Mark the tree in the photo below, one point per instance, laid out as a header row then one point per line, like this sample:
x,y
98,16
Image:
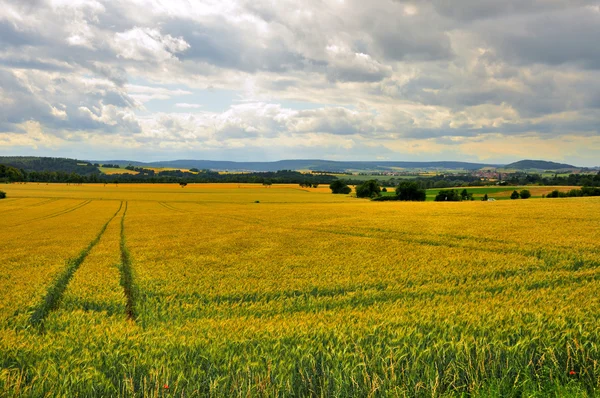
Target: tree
x,y
448,196
525,194
465,195
2,194
384,189
11,174
339,187
182,184
485,197
514,195
368,189
410,191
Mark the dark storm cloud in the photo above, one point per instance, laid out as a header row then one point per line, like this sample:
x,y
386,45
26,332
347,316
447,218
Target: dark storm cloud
x,y
559,37
469,10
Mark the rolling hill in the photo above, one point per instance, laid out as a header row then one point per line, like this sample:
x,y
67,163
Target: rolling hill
x,y
538,164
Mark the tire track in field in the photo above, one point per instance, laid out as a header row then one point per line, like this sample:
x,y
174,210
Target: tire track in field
x,y
166,206
227,217
408,238
127,279
43,202
51,300
56,214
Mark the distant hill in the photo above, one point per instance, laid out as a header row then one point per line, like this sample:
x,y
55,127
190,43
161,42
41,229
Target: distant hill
x,y
538,164
39,164
83,167
302,164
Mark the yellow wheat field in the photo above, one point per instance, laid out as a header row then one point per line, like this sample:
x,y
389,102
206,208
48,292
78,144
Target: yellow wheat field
x,y
302,294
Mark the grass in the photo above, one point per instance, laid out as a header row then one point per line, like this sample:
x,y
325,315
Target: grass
x,y
368,177
114,170
123,170
52,298
303,294
127,279
498,193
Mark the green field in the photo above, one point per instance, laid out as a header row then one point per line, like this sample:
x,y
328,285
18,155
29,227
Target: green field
x,y
367,177
144,290
495,192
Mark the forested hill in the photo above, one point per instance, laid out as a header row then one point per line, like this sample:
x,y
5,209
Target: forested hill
x,y
41,164
538,164
86,168
302,164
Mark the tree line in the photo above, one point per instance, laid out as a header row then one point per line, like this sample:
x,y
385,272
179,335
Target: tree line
x,y
411,191
405,191
12,174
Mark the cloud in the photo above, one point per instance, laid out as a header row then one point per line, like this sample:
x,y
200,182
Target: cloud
x,y
188,106
327,77
146,44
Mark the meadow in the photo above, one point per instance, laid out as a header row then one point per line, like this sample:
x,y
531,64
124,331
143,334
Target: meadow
x,y
243,290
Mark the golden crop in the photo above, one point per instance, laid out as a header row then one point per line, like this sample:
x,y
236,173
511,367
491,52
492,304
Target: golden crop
x,y
303,294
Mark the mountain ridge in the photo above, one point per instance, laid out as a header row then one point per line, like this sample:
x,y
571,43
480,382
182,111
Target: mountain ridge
x,y
305,164
34,163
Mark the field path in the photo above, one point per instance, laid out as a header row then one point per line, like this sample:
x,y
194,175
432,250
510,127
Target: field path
x,y
55,292
127,279
55,214
95,286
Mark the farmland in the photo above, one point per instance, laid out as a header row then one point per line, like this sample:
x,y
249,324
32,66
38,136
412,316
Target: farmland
x,y
495,192
239,289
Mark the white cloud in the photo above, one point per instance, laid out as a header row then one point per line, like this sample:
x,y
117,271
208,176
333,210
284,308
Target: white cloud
x,y
322,76
146,44
188,106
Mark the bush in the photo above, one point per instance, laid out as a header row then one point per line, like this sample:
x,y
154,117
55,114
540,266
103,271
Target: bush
x,y
485,197
514,195
410,191
590,191
557,194
384,189
465,195
574,193
525,194
368,189
339,187
448,196
2,194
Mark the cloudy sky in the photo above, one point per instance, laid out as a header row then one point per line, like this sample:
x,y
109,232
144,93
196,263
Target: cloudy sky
x,y
473,80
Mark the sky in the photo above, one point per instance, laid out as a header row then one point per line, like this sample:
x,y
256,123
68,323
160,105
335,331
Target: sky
x,y
257,80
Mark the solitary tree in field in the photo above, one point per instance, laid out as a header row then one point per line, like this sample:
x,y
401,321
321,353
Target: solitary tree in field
x,y
449,195
2,194
368,189
525,194
339,187
514,195
410,191
485,198
182,184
